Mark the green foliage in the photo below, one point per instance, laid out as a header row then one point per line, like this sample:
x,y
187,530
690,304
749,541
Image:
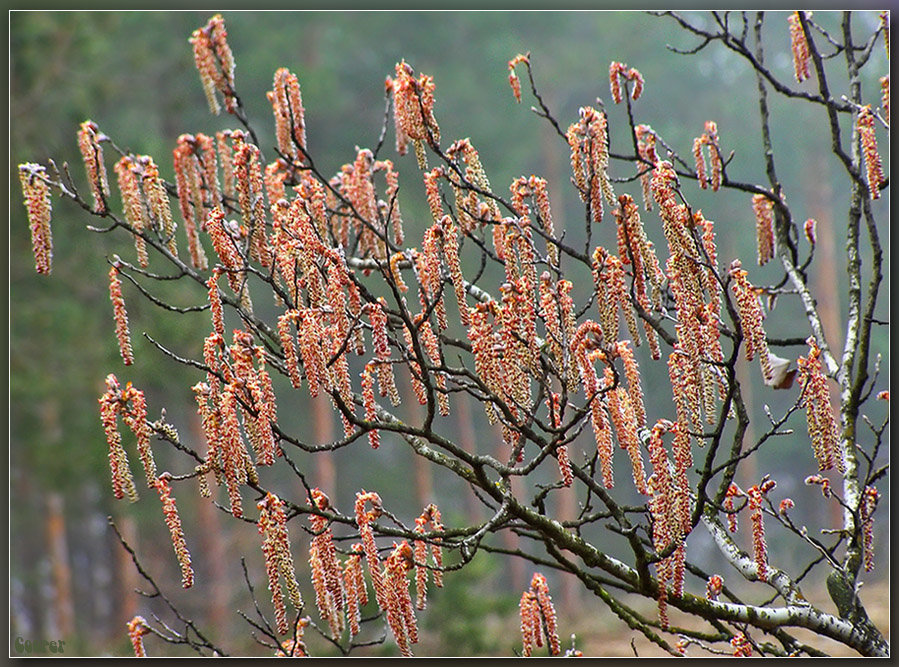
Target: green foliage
x,y
470,613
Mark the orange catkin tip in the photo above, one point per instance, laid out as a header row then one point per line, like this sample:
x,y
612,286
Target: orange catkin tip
x,y
120,315
37,204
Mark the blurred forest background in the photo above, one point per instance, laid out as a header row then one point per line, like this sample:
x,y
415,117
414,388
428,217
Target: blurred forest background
x,y
133,74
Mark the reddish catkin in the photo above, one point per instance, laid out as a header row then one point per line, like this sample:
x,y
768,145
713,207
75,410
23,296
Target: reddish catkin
x,y
538,618
711,136
188,184
714,586
685,378
589,160
646,148
632,373
354,583
675,218
89,138
432,191
428,268
203,190
544,600
609,273
732,492
340,380
209,169
596,131
215,63
482,336
549,313
285,333
413,103
633,74
381,344
158,204
554,403
209,419
587,337
400,613
173,522
284,247
763,208
799,46
420,552
742,647
215,303
327,576
135,418
866,519
885,25
540,192
885,97
568,321
565,465
622,415
395,273
635,249
110,405
120,315
274,178
823,482
516,327
822,426
287,106
513,77
360,191
279,540
615,70
137,628
874,171
204,59
295,647
128,178
250,188
415,370
234,449
37,203
272,566
601,430
390,209
263,394
432,347
751,317
311,335
619,71
664,506
212,345
363,521
453,263
699,161
634,449
756,517
529,613
368,402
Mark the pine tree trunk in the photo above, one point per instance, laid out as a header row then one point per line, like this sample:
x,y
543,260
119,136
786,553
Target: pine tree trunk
x,y
58,550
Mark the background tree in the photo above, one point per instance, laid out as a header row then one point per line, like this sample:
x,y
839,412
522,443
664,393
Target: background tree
x,y
508,306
